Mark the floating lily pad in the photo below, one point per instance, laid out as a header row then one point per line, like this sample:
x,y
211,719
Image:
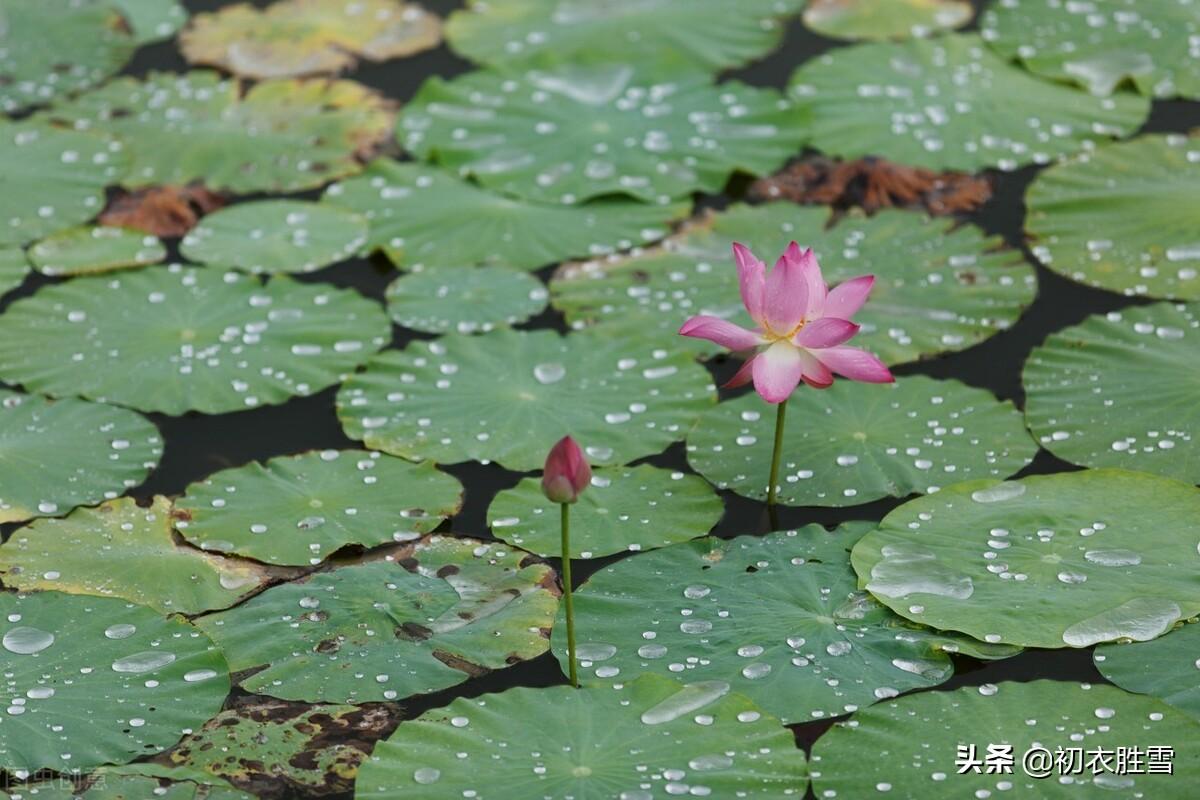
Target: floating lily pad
x,y
121,550
938,287
276,236
59,454
885,19
79,251
951,103
465,300
510,395
1066,560
200,339
1119,391
1165,668
282,135
445,611
95,680
301,509
857,442
910,747
779,618
308,37
625,508
702,36
1123,217
13,268
652,738
51,178
52,48
416,210
575,133
1149,45
301,750
152,20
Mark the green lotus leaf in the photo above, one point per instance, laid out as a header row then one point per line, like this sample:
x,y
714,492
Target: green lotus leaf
x,y
300,750
1122,217
857,442
885,19
574,133
13,268
471,300
938,287
52,48
1164,667
1066,560
437,613
280,135
1119,391
1149,45
700,36
416,210
59,454
951,103
80,251
96,680
510,395
275,236
916,746
779,618
298,510
650,738
307,37
625,508
199,339
152,20
51,178
122,550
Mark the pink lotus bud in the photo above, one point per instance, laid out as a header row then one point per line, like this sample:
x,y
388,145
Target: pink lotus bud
x,y
566,473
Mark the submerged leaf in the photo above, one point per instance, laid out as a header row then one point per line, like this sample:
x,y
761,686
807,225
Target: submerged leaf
x,y
122,550
444,611
307,37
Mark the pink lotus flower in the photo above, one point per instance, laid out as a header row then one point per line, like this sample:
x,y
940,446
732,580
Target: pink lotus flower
x,y
566,473
802,326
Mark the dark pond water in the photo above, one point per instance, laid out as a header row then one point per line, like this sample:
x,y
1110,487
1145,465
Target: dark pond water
x,y
197,445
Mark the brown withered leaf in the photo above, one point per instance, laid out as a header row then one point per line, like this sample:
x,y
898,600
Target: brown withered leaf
x,y
165,211
871,184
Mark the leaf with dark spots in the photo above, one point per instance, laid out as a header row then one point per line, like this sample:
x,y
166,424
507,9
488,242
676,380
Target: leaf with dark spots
x,y
165,211
463,665
873,184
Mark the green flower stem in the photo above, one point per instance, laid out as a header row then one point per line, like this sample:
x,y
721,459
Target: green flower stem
x,y
773,486
566,581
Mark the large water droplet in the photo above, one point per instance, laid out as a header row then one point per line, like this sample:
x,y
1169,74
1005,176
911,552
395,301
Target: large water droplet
x,y
27,641
144,661
551,372
427,775
691,697
120,631
1001,491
